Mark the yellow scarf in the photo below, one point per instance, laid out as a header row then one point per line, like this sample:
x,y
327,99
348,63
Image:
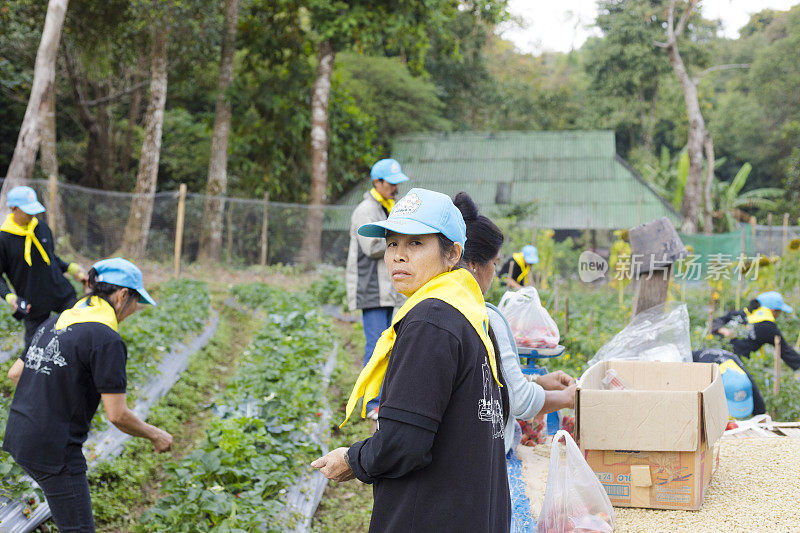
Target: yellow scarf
x,y
387,204
96,310
457,288
762,314
10,226
524,266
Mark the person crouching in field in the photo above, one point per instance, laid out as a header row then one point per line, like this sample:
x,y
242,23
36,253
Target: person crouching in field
x,y
437,459
75,360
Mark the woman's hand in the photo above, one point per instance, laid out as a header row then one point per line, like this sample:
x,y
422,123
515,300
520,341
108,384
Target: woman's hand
x,y
559,399
162,441
334,466
727,333
557,380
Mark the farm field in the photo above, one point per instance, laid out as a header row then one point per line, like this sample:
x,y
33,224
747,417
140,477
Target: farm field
x,y
242,409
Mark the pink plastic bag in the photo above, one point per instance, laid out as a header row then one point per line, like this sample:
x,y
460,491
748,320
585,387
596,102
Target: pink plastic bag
x,y
575,501
532,325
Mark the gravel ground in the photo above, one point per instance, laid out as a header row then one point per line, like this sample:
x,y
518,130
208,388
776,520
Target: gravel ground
x,y
755,488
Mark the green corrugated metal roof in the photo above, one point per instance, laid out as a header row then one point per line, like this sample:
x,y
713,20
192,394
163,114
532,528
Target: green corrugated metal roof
x,y
576,177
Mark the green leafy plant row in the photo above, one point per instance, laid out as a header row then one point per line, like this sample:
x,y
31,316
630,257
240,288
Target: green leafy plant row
x,y
259,442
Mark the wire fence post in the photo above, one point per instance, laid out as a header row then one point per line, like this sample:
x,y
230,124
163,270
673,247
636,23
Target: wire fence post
x,y
179,229
785,237
264,231
52,197
776,387
769,224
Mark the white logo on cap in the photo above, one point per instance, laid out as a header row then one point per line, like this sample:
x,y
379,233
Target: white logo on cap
x,y
739,396
409,204
395,168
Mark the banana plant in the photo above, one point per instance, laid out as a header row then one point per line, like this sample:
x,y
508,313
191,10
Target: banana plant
x,y
731,201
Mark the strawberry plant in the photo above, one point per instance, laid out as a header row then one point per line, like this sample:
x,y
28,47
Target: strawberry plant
x,y
259,442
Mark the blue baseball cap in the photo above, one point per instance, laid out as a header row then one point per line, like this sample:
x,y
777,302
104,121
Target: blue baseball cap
x,y
389,171
421,212
121,272
738,389
24,198
773,300
530,254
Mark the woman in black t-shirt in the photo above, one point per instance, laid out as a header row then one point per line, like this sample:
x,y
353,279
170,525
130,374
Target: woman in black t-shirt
x,y
75,360
437,460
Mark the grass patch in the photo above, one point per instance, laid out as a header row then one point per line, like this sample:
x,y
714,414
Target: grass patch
x,y
345,506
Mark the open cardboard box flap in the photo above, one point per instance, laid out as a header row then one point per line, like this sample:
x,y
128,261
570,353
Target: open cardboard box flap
x,y
669,408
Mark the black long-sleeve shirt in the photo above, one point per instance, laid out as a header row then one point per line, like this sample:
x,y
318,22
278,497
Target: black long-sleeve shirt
x,y
43,286
440,437
756,336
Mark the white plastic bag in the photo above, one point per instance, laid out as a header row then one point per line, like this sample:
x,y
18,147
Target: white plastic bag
x,y
574,501
660,333
532,325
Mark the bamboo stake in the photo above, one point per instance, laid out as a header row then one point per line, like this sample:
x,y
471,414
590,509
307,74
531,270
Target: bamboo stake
x,y
776,387
179,229
769,223
52,186
264,231
229,236
785,238
741,274
591,323
566,314
555,300
753,229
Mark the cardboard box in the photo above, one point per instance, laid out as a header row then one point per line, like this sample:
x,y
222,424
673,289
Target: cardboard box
x,y
652,446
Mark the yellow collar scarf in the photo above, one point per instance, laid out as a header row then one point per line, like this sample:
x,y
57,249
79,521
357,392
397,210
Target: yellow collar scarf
x,y
387,204
520,260
457,288
762,314
94,310
10,226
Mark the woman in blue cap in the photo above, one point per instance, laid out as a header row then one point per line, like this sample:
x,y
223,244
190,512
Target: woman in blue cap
x,y
754,326
437,459
29,261
515,272
76,359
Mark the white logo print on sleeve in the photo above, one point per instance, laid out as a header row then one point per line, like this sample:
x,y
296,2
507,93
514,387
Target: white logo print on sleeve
x,y
38,359
489,409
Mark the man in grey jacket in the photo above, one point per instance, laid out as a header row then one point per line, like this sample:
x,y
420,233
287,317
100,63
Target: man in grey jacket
x,y
369,286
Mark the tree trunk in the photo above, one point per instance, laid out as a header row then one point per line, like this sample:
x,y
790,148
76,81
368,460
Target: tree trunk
x,y
217,185
133,118
97,161
44,73
134,240
48,160
310,251
649,122
690,207
708,200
